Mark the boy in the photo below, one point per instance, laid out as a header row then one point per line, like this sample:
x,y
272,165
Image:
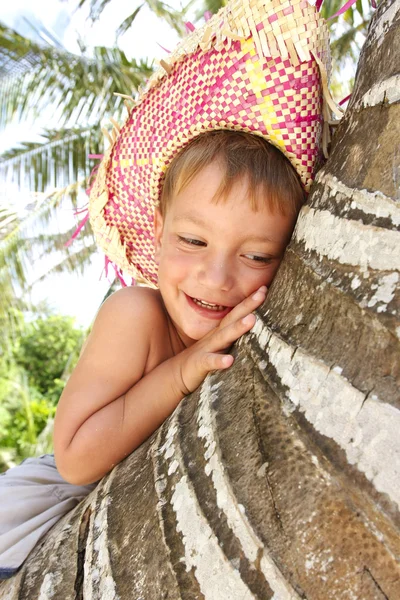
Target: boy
x,y
228,209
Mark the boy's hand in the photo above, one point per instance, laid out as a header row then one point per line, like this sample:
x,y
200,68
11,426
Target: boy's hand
x,y
207,354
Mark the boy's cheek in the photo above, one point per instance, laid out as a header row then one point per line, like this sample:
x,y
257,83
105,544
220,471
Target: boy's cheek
x,y
273,271
176,262
264,276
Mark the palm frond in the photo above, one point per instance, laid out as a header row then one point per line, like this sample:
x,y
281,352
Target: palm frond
x,y
330,7
52,243
11,305
345,46
8,219
90,82
127,23
20,249
14,63
211,6
9,224
174,18
74,262
57,162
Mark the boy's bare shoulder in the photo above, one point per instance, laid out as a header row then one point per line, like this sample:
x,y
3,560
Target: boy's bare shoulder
x,y
129,316
125,341
131,304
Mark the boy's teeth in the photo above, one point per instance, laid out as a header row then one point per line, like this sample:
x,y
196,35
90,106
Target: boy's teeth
x,y
208,305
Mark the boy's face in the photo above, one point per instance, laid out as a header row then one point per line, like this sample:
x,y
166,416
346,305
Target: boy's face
x,y
211,256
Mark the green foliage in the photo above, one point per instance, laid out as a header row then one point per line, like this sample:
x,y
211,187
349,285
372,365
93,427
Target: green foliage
x,y
44,352
22,422
347,32
32,377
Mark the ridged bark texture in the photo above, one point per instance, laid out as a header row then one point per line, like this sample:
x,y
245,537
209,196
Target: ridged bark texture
x,y
278,479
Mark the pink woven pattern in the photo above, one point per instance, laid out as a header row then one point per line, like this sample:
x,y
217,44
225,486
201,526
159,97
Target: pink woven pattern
x,y
233,86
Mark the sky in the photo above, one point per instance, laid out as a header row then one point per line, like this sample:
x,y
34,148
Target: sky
x,y
66,23
77,295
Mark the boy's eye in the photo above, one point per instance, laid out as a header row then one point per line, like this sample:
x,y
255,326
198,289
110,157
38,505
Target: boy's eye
x,y
190,241
258,258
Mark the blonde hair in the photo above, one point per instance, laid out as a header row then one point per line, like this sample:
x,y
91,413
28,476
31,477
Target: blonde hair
x,y
269,173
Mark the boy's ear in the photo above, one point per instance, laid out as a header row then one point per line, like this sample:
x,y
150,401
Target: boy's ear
x,y
158,230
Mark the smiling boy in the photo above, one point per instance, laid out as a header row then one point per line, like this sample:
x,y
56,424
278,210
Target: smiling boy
x,y
228,209
227,212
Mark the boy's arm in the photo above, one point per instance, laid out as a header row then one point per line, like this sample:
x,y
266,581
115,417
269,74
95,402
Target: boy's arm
x,y
109,406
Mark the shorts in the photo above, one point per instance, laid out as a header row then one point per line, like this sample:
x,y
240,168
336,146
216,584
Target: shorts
x,y
33,497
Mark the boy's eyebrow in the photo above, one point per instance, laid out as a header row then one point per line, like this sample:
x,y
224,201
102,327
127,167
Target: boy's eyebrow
x,y
193,218
259,238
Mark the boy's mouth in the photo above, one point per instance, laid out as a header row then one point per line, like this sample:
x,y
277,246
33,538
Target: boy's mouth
x,y
209,305
208,309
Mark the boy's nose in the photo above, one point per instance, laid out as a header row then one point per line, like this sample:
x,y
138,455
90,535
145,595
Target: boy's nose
x,y
216,273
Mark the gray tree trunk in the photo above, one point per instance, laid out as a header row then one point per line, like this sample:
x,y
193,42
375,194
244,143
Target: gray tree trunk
x,y
279,478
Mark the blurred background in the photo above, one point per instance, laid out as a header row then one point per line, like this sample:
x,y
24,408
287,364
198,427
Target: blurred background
x,y
61,61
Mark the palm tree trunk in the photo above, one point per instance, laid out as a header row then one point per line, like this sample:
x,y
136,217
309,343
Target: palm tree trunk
x,y
279,478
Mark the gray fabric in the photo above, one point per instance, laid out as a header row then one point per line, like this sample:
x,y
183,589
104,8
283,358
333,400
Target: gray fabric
x,y
33,497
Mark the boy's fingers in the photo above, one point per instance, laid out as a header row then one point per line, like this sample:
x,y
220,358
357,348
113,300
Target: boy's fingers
x,y
215,362
223,338
245,307
194,372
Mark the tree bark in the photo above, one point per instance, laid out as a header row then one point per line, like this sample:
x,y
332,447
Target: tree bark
x,y
280,477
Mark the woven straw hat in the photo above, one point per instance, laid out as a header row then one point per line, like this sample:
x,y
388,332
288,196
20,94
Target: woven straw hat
x,y
259,66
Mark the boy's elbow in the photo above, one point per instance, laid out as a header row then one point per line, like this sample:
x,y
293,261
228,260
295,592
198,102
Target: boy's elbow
x,y
71,470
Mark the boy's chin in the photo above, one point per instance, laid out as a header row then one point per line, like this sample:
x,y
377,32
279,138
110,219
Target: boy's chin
x,y
195,334
192,334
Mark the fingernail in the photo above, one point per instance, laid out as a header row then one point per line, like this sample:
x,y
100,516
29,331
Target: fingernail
x,y
226,360
259,294
247,320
